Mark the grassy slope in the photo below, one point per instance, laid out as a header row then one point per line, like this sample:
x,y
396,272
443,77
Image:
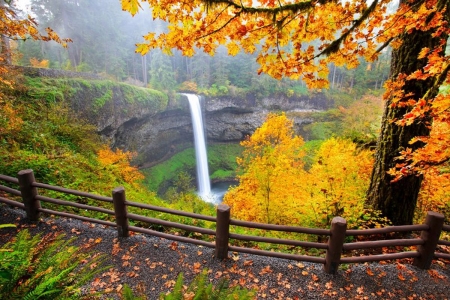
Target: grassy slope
x,y
40,132
221,160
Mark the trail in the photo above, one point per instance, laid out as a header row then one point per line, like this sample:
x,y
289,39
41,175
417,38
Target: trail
x,y
151,265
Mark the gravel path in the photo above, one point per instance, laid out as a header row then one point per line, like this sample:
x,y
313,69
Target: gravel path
x,y
151,265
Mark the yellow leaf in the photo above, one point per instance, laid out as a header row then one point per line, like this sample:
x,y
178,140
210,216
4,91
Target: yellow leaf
x,y
132,6
233,48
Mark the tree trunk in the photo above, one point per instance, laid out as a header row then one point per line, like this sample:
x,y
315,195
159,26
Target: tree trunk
x,y
397,201
5,50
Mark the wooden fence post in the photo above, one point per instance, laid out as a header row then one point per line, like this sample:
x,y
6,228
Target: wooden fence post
x,y
222,231
335,243
435,221
120,211
29,193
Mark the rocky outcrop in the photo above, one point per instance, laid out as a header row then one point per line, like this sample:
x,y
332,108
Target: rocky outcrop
x,y
158,136
157,126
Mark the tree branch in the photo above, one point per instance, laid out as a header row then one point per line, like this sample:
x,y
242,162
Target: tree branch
x,y
334,46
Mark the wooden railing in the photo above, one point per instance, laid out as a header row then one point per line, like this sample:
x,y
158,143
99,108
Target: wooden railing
x,y
426,244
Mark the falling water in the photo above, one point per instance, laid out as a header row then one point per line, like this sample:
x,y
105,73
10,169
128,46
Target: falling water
x,y
204,187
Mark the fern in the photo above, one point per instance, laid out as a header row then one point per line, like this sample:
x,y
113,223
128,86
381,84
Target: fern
x,y
127,294
46,267
200,289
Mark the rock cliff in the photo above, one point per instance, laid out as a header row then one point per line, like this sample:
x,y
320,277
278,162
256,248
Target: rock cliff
x,y
157,136
156,126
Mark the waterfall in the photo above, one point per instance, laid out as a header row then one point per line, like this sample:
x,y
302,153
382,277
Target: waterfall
x,y
204,187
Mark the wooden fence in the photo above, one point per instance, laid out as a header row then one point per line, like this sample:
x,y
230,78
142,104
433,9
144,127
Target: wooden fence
x,y
426,244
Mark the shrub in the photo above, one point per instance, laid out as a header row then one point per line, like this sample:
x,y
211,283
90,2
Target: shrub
x,y
47,267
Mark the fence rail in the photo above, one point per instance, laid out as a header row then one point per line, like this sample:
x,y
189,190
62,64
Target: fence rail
x,y
426,244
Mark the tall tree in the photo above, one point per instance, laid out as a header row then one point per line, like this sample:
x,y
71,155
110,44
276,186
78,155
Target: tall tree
x,y
299,39
397,198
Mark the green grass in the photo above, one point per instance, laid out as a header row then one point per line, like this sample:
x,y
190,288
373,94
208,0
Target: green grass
x,y
221,161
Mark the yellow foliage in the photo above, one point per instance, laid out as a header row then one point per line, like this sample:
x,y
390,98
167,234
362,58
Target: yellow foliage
x,y
434,193
39,64
271,166
118,162
10,120
337,181
275,188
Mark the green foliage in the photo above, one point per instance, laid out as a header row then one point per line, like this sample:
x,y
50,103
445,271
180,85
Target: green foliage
x,y
216,90
201,289
46,267
371,218
310,148
100,101
7,225
127,294
101,92
221,160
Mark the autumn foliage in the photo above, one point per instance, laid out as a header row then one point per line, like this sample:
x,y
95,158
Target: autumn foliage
x,y
13,27
118,162
274,186
39,64
301,39
270,164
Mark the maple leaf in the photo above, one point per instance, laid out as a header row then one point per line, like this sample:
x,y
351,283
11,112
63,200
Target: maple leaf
x,y
196,267
300,265
369,272
266,270
126,257
360,290
115,249
131,6
435,274
248,262
173,246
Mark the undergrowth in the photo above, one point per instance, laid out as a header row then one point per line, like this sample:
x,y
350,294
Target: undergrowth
x,y
45,267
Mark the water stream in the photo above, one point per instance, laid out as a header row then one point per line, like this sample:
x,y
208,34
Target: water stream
x,y
204,186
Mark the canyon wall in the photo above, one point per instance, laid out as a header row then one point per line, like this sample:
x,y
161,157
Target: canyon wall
x,y
155,137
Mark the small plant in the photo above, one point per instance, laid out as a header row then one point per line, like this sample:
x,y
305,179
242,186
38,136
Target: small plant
x,y
47,267
202,290
127,294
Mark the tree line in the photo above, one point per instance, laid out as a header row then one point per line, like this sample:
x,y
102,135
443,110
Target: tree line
x,y
103,41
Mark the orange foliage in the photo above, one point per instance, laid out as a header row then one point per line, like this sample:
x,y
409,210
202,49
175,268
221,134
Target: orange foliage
x,y
10,120
300,39
39,64
435,192
433,162
13,27
119,162
189,86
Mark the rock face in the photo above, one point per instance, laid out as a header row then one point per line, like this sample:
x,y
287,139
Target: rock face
x,y
157,136
145,121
